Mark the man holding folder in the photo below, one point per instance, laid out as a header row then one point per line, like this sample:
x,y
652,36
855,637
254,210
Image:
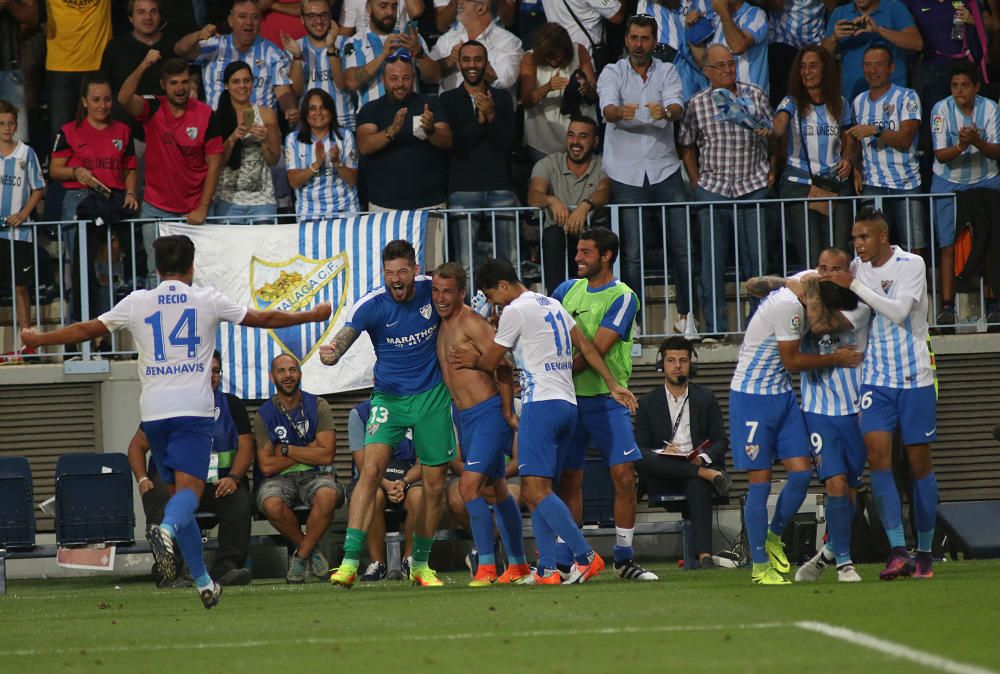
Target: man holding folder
x,y
682,436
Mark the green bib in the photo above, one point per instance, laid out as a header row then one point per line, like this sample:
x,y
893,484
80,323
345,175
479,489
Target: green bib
x,y
588,310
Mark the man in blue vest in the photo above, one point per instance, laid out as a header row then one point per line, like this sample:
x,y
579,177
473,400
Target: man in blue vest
x,y
295,450
227,491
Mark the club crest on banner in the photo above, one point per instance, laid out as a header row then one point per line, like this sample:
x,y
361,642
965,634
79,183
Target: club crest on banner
x,y
297,284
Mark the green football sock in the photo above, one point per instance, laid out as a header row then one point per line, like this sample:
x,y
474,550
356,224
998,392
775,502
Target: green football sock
x,y
354,543
421,550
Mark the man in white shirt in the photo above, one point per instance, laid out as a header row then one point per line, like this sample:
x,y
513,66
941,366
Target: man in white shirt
x,y
582,18
477,21
174,326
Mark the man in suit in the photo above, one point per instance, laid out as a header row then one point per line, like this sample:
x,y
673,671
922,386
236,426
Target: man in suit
x,y
682,436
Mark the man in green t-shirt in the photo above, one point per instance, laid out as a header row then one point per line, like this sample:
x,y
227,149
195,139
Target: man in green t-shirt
x,y
604,308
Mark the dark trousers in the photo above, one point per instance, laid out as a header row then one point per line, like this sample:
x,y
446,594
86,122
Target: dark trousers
x,y
234,512
663,473
559,249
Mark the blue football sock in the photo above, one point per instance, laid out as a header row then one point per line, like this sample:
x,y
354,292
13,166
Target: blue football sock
x,y
189,541
180,509
790,499
511,530
755,516
564,556
545,540
839,525
481,523
925,498
889,509
558,516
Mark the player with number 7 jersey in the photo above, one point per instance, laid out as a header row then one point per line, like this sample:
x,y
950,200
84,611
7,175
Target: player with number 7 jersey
x,y
174,326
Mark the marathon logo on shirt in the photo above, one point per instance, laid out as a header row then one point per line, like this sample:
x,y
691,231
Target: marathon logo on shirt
x,y
414,339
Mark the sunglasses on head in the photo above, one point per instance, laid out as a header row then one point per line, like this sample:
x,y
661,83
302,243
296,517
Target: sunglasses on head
x,y
400,55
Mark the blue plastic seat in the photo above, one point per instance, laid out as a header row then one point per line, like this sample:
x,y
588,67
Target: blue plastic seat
x,y
17,515
94,500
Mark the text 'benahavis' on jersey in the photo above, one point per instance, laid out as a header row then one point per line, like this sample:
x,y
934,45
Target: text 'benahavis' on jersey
x,y
537,328
174,326
897,355
404,335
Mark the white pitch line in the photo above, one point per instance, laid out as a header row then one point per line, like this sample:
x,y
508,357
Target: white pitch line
x,y
394,638
892,648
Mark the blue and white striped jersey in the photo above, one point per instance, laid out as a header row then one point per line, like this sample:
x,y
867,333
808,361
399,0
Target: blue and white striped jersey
x,y
835,391
799,23
671,21
751,65
897,355
325,194
779,318
268,64
362,49
316,75
972,166
885,166
822,135
20,173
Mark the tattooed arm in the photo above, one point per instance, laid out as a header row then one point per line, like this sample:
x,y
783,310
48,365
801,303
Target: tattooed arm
x,y
761,286
330,354
822,320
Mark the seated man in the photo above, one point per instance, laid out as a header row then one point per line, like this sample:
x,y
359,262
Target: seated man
x,y
401,491
295,450
227,490
682,436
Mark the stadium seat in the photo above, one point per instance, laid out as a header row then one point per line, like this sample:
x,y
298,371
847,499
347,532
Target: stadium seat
x,y
598,494
94,500
971,525
17,516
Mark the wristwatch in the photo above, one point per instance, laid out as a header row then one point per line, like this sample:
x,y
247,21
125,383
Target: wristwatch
x,y
406,485
333,51
878,131
586,200
284,448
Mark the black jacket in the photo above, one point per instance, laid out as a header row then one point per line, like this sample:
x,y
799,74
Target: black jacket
x,y
480,153
653,424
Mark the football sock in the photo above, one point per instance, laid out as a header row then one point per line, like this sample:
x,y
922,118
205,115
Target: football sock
x,y
511,530
889,509
354,543
925,497
561,521
755,516
481,523
839,526
188,539
422,550
564,556
180,510
623,544
545,540
790,499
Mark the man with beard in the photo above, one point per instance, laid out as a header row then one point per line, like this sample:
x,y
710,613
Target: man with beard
x,y
409,395
641,98
477,22
604,308
485,423
295,450
570,185
482,123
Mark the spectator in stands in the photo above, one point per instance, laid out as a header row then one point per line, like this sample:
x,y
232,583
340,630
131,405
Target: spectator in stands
x,y
726,161
672,42
641,98
508,12
476,21
481,117
403,138
280,16
355,17
812,124
856,26
187,167
214,52
76,34
574,189
245,192
557,82
401,492
227,490
794,24
322,161
21,171
14,16
295,451
682,437
966,136
886,121
317,60
366,54
743,28
582,18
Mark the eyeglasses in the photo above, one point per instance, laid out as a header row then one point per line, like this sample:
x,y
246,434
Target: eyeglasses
x,y
316,16
216,370
722,65
403,55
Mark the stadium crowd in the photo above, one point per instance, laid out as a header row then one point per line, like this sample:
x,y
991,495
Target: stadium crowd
x,y
249,109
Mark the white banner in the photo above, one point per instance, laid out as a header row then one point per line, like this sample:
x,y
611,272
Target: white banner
x,y
294,267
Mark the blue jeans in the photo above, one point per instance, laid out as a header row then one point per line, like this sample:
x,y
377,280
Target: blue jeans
x,y
465,233
12,91
238,214
717,233
678,236
907,221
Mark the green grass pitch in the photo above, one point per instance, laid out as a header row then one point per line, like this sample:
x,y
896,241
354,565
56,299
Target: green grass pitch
x,y
688,622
